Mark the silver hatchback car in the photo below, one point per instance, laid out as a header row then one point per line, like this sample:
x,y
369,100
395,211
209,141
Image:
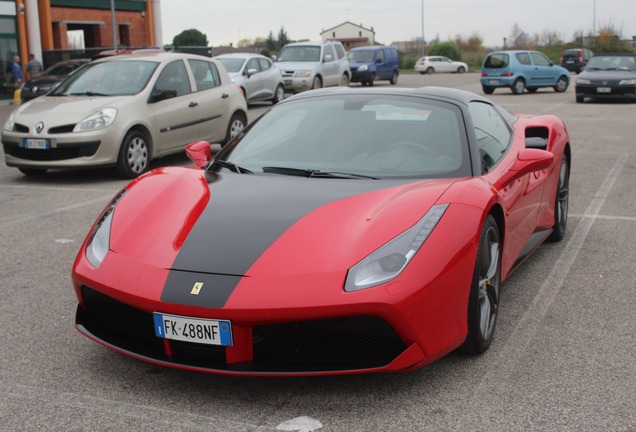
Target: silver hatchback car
x,y
124,111
256,75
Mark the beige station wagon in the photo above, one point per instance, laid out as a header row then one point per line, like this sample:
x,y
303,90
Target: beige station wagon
x,y
124,111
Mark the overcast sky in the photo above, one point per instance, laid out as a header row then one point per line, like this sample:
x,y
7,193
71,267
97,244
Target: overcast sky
x,y
228,21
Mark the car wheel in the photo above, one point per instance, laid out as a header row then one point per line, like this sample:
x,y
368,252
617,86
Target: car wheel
x,y
488,90
394,78
344,80
483,301
236,125
461,69
561,85
317,83
580,99
279,95
518,86
562,201
532,89
371,80
134,155
430,70
33,172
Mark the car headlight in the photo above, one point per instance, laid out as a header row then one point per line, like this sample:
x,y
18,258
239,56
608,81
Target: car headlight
x,y
583,81
627,82
303,73
389,260
363,68
99,120
10,123
99,242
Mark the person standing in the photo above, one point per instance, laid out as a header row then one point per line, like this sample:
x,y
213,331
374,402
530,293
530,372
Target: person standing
x,y
16,71
34,67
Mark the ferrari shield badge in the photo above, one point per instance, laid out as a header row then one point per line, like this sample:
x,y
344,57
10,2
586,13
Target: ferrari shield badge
x,y
196,289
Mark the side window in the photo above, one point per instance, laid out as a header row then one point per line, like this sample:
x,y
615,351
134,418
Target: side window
x,y
174,77
380,58
492,132
540,60
524,58
206,75
328,50
253,64
265,64
340,52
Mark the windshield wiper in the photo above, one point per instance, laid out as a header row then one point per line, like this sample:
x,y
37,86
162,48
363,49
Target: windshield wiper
x,y
229,165
89,93
315,173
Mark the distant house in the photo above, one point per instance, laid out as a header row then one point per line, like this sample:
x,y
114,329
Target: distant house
x,y
350,34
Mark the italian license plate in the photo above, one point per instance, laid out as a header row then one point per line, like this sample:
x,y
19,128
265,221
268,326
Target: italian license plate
x,y
493,81
603,90
37,144
196,330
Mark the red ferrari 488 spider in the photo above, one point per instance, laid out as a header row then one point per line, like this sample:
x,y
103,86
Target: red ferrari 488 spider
x,y
345,231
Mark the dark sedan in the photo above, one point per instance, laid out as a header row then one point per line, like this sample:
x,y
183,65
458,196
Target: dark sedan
x,y
50,79
608,76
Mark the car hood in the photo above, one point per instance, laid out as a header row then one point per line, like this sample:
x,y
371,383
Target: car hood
x,y
262,225
63,110
296,65
607,75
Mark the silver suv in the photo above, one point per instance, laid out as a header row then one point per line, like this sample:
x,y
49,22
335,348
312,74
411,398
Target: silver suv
x,y
310,65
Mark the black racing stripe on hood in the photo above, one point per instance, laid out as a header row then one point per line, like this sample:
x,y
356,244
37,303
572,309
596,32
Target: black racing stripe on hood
x,y
245,215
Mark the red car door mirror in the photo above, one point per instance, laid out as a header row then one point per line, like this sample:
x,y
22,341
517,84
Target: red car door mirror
x,y
199,152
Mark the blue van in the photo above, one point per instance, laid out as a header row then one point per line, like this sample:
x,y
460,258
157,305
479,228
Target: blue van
x,y
371,63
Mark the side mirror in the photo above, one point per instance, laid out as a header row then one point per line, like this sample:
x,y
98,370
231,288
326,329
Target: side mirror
x,y
274,58
528,160
250,72
160,95
378,61
327,58
199,152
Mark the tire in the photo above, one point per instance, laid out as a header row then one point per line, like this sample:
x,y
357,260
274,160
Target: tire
x,y
235,126
317,83
580,99
488,90
562,200
518,86
344,80
279,94
134,155
33,172
371,80
561,85
483,300
532,89
394,78
461,70
430,70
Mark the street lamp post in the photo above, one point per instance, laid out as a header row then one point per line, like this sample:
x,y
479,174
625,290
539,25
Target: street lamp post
x,y
423,40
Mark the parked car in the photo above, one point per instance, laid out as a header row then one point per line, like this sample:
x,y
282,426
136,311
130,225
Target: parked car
x,y
575,59
124,111
256,75
608,76
311,65
432,64
372,63
50,79
522,70
346,231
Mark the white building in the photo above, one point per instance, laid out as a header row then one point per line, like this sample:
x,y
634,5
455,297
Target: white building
x,y
350,34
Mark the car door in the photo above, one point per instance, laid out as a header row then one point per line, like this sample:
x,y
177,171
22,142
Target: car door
x,y
542,73
253,81
329,66
445,65
271,78
381,69
172,110
212,99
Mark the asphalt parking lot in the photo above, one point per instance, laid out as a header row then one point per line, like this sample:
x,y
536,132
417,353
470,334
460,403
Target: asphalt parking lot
x,y
563,359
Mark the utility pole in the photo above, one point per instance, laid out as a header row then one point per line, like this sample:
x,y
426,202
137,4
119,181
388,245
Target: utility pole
x,y
112,13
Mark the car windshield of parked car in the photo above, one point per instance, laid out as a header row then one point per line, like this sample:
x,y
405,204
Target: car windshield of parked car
x,y
362,56
232,64
300,54
622,63
62,69
113,78
357,136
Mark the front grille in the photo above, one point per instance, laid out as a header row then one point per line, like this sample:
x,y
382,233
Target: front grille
x,y
310,346
17,127
62,152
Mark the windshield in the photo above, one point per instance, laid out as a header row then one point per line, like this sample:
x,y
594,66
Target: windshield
x,y
623,63
62,69
300,54
232,64
113,78
362,56
377,136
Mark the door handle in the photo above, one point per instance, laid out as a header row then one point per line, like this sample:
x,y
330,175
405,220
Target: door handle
x,y
192,104
225,96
